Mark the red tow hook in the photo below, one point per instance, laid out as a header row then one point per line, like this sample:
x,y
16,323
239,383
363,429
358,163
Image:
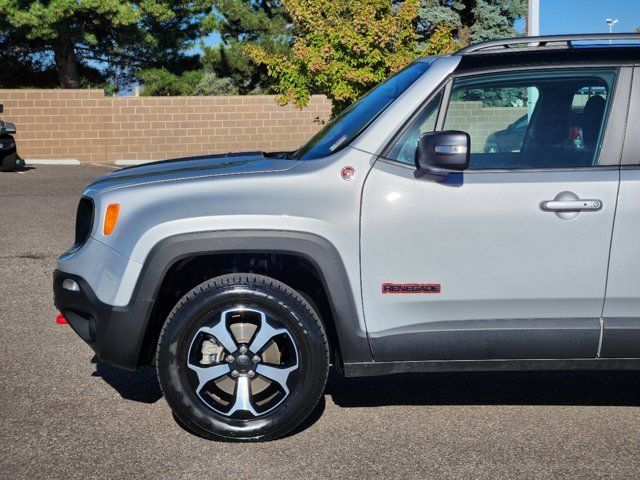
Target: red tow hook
x,y
61,320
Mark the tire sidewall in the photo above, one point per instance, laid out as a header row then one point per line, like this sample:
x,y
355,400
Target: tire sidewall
x,y
186,320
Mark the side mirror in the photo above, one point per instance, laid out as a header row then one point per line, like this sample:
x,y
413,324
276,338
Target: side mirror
x,y
441,153
9,129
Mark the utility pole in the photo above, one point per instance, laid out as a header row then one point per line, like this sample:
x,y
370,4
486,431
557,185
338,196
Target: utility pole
x,y
611,23
533,30
533,18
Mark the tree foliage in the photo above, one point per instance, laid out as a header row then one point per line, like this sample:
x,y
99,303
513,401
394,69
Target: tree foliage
x,y
212,84
471,20
342,48
161,82
263,23
113,37
290,47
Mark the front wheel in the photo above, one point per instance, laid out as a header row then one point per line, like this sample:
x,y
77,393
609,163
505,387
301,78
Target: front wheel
x,y
242,357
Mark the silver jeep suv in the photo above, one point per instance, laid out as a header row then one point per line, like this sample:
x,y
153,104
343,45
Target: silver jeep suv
x,y
393,241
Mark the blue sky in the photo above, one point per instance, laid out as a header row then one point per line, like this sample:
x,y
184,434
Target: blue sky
x,y
588,16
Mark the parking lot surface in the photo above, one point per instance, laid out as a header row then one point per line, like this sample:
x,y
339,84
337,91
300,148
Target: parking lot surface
x,y
66,415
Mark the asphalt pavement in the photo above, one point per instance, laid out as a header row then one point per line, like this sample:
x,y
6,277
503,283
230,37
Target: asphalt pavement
x,y
66,415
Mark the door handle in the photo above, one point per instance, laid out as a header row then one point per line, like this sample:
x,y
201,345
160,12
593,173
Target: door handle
x,y
571,205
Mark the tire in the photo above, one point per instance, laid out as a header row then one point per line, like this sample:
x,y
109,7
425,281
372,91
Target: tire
x,y
9,162
196,386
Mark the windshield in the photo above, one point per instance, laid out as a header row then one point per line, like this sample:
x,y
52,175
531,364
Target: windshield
x,y
351,121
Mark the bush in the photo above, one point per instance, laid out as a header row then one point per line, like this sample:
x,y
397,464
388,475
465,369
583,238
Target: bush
x,y
211,84
161,82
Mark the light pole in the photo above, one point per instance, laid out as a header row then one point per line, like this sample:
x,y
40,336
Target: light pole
x,y
611,23
533,30
533,18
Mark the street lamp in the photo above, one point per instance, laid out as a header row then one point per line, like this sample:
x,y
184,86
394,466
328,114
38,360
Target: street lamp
x,y
611,23
533,18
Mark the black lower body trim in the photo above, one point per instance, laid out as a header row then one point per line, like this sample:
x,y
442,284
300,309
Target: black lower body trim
x,y
621,337
387,368
519,338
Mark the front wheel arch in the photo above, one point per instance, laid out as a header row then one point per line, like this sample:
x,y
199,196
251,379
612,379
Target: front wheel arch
x,y
349,339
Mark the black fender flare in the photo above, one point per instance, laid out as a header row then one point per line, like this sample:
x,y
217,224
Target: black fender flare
x,y
352,338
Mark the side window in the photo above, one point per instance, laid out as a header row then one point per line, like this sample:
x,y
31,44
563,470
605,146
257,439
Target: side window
x,y
544,119
404,150
496,119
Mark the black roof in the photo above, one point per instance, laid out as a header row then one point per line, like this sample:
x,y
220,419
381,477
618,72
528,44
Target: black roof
x,y
612,55
549,50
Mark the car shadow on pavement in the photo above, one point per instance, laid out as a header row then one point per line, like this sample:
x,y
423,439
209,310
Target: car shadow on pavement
x,y
142,386
583,388
139,386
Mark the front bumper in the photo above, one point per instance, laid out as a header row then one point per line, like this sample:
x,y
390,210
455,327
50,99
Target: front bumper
x,y
116,334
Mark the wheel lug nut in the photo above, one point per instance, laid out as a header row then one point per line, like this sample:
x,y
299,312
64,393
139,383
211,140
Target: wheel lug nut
x,y
251,373
243,349
235,373
229,358
256,359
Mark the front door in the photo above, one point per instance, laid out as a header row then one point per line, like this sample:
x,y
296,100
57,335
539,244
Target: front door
x,y
509,259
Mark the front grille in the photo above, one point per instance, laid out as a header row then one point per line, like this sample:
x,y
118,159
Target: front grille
x,y
84,220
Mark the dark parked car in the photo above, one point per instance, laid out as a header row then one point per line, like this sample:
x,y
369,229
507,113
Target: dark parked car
x,y
509,139
8,152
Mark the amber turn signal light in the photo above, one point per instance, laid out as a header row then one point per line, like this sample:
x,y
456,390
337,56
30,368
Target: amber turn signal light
x,y
111,218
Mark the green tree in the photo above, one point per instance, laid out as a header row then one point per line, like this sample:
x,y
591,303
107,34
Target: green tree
x,y
211,84
241,23
342,48
161,82
471,20
113,37
475,21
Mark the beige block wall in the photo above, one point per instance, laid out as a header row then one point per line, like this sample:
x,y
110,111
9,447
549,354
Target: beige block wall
x,y
86,125
480,122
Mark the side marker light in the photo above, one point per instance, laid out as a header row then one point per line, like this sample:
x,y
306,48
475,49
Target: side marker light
x,y
111,218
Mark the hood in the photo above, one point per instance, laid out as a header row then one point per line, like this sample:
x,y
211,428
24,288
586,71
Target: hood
x,y
194,167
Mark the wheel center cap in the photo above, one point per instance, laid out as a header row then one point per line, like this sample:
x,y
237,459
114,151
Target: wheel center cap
x,y
242,363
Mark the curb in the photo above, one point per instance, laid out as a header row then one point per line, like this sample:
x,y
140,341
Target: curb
x,y
123,163
56,161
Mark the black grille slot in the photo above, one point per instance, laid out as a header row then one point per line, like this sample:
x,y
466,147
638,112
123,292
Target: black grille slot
x,y
84,220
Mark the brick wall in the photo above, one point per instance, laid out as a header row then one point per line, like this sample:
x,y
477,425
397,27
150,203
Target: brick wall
x,y
480,122
86,125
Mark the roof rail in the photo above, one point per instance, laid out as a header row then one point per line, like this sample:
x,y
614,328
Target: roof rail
x,y
557,41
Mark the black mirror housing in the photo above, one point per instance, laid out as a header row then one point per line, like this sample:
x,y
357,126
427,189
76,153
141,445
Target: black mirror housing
x,y
441,153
